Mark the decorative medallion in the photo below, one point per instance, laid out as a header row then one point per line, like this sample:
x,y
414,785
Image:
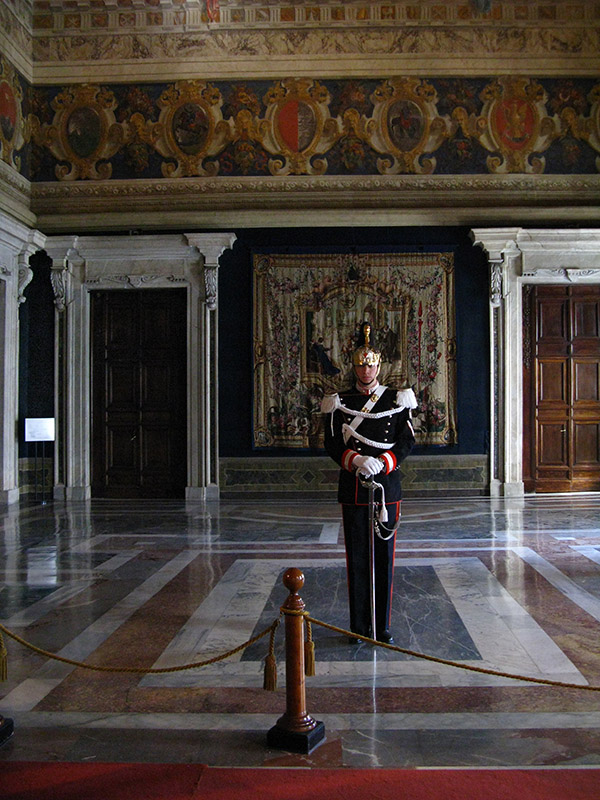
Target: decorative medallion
x,y
191,129
514,123
299,128
11,126
406,126
84,132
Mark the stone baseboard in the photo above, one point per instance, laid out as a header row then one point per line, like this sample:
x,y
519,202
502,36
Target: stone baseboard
x,y
315,477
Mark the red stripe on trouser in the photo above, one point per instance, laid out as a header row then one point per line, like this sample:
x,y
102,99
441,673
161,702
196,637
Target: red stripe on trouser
x,y
356,539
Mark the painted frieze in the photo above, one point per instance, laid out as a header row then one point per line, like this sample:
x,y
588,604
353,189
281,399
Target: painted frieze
x,y
306,127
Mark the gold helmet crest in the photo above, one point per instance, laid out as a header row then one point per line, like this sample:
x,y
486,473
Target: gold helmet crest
x,y
365,354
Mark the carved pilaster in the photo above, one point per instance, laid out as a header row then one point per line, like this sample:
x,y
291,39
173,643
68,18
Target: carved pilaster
x,y
65,256
58,280
504,264
495,283
25,276
211,246
204,373
210,286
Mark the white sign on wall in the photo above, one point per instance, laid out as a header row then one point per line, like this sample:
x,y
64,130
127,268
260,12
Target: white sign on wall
x,y
39,429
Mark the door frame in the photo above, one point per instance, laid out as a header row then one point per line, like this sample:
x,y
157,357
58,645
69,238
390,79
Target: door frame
x,y
81,264
519,256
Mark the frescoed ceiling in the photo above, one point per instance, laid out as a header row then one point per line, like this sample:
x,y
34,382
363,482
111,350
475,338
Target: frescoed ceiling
x,y
140,39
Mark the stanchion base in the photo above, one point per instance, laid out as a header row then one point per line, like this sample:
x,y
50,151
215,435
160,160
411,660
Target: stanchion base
x,y
296,742
7,729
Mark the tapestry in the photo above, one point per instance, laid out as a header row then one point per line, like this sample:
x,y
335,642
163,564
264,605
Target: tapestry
x,y
308,310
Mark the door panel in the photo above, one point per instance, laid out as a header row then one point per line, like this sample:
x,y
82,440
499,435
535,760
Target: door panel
x,y
552,382
552,445
562,412
139,393
587,443
586,382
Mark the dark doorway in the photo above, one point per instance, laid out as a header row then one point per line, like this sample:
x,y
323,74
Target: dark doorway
x,y
139,393
562,389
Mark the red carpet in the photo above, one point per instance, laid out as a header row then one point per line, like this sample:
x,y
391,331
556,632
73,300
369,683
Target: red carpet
x,y
78,781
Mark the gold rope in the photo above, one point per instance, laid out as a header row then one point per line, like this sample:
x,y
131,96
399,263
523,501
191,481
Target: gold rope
x,y
271,656
138,670
445,661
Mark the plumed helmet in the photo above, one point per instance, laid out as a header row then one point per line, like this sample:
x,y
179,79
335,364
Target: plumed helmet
x,y
365,353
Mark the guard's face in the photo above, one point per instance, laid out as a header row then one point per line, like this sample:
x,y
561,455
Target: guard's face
x,y
366,374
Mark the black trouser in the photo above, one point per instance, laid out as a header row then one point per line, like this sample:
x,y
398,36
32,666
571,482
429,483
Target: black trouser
x,y
356,539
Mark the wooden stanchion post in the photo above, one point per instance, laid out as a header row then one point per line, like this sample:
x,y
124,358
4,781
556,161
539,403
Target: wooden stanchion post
x,y
296,730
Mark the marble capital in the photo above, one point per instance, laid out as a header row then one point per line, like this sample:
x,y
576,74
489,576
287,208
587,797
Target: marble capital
x,y
211,245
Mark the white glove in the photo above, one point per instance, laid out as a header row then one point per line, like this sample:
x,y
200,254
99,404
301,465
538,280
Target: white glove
x,y
368,465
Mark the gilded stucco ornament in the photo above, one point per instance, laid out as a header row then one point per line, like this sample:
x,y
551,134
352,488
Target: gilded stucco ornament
x,y
84,133
190,129
513,125
299,128
12,129
406,127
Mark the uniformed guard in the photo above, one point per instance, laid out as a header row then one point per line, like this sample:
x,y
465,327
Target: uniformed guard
x,y
368,434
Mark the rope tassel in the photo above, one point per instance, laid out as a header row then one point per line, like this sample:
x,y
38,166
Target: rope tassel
x,y
270,676
309,652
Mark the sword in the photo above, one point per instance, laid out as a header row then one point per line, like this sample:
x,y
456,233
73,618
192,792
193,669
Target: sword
x,y
368,484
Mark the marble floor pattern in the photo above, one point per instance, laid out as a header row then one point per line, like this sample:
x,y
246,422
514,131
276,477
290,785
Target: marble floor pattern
x,y
510,585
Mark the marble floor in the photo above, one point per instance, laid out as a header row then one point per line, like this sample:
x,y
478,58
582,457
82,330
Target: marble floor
x,y
505,585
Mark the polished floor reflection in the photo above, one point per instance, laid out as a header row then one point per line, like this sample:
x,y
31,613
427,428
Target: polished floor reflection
x,y
507,586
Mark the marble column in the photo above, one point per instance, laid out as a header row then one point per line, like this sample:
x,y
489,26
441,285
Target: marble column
x,y
17,244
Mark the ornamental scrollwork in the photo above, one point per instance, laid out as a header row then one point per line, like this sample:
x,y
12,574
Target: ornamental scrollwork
x,y
406,127
83,134
190,129
513,125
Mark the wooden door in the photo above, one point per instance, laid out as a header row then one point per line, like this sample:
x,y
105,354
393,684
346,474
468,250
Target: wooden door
x,y
562,417
139,393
